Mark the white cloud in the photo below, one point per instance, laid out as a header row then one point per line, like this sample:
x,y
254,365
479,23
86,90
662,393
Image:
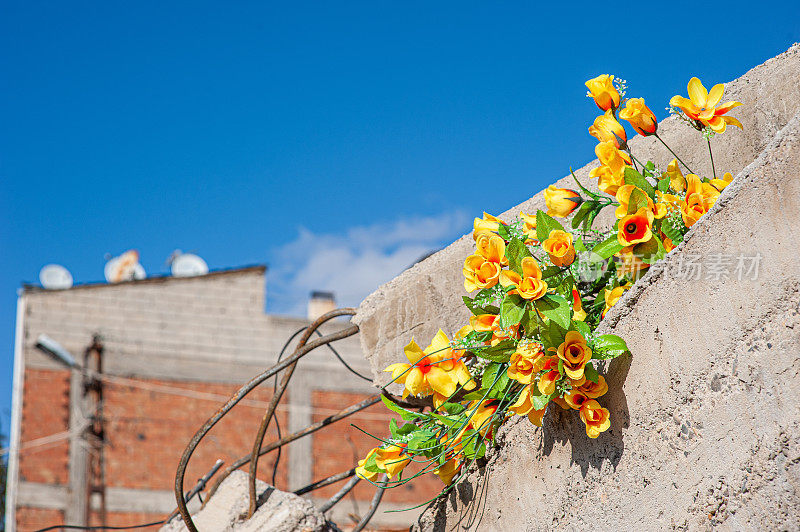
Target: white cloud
x,y
355,263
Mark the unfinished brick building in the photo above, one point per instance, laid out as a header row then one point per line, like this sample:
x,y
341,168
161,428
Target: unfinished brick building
x,y
173,350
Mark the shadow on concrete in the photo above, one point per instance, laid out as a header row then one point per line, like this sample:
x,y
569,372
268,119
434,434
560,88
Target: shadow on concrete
x,y
562,426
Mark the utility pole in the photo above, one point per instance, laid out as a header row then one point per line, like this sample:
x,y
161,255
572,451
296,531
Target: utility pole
x,y
95,432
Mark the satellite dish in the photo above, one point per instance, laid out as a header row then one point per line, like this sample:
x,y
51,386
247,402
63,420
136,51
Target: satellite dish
x,y
55,277
188,265
126,267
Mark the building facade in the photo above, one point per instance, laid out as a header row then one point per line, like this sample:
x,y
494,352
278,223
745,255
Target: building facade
x,y
173,350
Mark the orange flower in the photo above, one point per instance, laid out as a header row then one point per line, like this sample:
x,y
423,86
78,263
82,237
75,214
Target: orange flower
x,y
630,264
482,270
423,376
596,418
624,197
559,247
561,201
640,117
593,390
449,469
575,399
635,228
608,181
529,227
482,416
602,90
703,106
393,459
700,197
526,362
575,353
363,473
547,381
607,129
491,322
608,155
578,314
487,224
529,285
612,297
524,406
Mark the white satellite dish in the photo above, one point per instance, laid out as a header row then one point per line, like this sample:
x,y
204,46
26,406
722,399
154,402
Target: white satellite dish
x,y
126,267
188,265
55,277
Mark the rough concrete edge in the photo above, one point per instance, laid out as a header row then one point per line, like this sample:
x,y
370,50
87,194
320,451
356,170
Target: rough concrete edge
x,y
375,298
625,305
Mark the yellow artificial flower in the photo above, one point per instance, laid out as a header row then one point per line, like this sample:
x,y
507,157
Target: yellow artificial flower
x,y
529,285
547,381
526,362
700,197
575,353
448,470
491,322
624,197
363,473
481,416
593,390
523,406
596,418
720,184
529,227
575,399
480,273
640,117
578,314
422,376
602,90
450,360
559,248
607,129
608,181
612,297
487,224
393,459
703,106
676,180
561,201
608,155
635,228
492,248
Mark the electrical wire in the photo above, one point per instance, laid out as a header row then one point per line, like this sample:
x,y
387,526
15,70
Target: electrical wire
x,y
80,527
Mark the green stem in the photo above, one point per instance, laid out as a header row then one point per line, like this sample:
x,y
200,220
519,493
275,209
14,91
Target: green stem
x,y
673,153
713,170
633,159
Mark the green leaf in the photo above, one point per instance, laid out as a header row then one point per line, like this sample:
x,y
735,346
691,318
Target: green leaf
x,y
407,415
544,224
556,308
582,212
516,250
582,328
632,177
479,309
585,190
607,247
489,374
636,201
511,310
673,233
579,245
607,346
539,401
502,232
498,353
650,251
663,185
590,372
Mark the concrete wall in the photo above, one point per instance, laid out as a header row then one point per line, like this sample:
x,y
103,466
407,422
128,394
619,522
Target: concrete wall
x,y
705,429
428,296
175,349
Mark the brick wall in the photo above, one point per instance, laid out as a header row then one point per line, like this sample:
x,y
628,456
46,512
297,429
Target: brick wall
x,y
174,350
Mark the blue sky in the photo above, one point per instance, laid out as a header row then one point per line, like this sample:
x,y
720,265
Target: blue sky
x,y
335,141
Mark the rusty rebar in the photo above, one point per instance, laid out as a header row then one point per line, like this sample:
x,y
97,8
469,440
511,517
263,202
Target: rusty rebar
x,y
339,495
373,507
326,481
200,486
275,399
350,410
235,398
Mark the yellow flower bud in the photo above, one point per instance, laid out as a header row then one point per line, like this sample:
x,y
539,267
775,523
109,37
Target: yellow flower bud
x,y
602,90
561,201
